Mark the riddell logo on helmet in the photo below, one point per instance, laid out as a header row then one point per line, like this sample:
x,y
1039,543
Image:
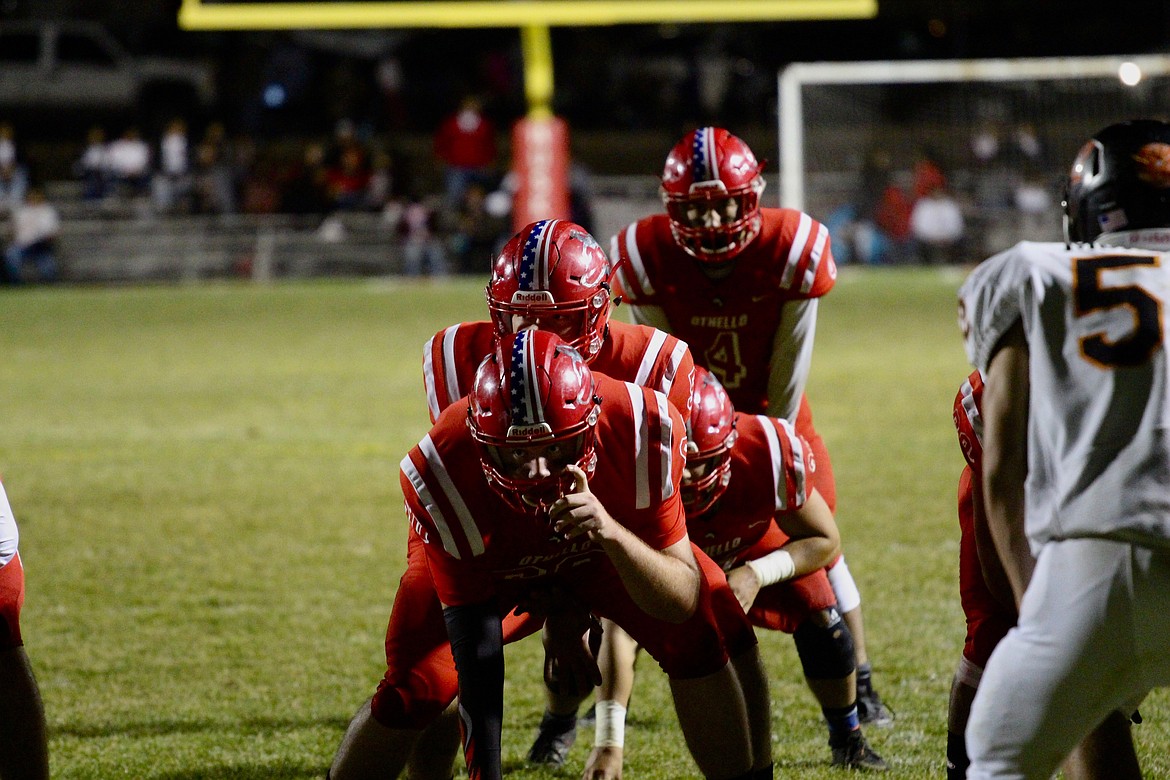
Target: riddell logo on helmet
x,y
1153,164
539,429
532,296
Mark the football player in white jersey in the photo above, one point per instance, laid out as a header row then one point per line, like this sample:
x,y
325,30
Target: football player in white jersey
x,y
1076,458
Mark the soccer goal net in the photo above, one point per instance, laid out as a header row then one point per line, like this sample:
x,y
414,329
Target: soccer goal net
x,y
864,141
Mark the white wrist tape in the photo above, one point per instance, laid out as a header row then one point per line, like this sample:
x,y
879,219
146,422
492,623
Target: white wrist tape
x,y
774,567
610,727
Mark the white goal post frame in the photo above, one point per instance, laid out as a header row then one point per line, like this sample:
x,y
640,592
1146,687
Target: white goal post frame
x,y
793,78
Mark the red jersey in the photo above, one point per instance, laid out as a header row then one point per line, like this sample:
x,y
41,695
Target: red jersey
x,y
477,547
771,470
730,323
632,353
968,417
988,619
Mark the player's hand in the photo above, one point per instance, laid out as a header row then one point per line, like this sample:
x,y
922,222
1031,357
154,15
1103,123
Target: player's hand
x,y
745,585
572,641
580,512
604,763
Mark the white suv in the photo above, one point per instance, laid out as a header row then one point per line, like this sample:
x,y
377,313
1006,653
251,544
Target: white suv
x,y
63,65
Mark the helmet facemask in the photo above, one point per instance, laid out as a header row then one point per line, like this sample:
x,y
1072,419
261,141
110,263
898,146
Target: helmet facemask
x,y
714,225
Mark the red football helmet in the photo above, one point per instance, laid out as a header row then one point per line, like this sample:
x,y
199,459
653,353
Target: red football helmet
x,y
711,186
555,275
710,437
534,392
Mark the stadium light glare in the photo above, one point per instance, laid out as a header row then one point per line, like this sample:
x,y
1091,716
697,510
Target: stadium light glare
x,y
1130,74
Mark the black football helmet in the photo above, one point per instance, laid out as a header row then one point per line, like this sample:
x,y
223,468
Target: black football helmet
x,y
1120,180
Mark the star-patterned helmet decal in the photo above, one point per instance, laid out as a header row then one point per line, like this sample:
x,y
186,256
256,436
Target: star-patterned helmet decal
x,y
703,163
534,260
524,387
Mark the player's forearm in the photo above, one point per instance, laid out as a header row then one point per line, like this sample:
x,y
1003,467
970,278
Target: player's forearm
x,y
478,648
662,583
616,660
1005,456
810,554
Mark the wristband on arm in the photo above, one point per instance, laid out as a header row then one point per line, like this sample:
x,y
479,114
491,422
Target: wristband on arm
x,y
610,727
776,566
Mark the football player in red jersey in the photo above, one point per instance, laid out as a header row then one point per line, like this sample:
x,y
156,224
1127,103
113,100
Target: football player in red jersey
x,y
740,284
751,506
553,275
549,474
990,610
24,749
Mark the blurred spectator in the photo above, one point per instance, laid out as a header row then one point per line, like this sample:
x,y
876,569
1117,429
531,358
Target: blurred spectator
x,y
173,183
305,192
13,186
420,241
928,174
875,228
380,188
1035,211
14,173
35,228
936,224
985,143
8,151
130,162
213,186
347,181
465,142
479,234
391,82
93,166
1027,148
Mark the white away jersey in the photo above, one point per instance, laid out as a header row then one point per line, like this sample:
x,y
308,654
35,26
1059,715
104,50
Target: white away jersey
x,y
1098,450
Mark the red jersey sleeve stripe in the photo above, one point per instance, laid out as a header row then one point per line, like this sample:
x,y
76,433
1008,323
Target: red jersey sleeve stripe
x,y
453,496
451,367
440,372
641,434
796,250
424,499
429,378
796,446
783,440
814,260
650,358
666,445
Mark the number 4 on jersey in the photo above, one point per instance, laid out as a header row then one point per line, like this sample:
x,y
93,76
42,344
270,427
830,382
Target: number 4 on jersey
x,y
722,359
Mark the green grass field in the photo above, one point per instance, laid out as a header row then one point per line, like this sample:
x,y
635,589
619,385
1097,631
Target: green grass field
x,y
205,479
